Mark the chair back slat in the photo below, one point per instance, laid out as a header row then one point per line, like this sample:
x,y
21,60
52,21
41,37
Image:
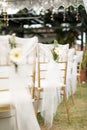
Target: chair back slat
x,y
42,63
63,70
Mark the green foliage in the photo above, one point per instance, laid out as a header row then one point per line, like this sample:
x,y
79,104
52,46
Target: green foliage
x,y
64,37
12,41
1,24
84,61
55,54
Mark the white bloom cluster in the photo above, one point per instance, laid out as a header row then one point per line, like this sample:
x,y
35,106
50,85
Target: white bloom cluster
x,y
57,50
16,55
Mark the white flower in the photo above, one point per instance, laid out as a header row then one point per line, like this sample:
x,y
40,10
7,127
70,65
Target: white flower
x,y
57,50
16,55
13,34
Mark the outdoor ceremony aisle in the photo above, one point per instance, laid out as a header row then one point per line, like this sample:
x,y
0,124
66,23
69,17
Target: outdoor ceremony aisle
x,y
78,113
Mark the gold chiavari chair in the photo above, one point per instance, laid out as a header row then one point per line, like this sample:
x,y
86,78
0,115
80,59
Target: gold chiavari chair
x,y
79,55
71,74
62,84
7,109
39,79
79,76
71,87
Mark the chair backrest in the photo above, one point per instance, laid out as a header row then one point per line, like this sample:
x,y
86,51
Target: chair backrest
x,y
5,100
64,52
57,71
4,49
7,109
71,55
51,75
42,63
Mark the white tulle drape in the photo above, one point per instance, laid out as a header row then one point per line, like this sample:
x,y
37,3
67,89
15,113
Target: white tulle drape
x,y
18,83
20,93
71,72
74,76
21,98
51,95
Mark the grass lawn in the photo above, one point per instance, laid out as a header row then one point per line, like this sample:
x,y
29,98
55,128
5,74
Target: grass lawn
x,y
78,113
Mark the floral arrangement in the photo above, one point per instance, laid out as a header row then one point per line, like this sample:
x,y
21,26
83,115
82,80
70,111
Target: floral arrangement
x,y
56,51
16,57
16,54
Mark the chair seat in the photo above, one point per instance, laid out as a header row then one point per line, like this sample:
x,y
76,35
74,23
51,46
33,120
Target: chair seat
x,y
5,98
50,84
59,87
8,118
7,111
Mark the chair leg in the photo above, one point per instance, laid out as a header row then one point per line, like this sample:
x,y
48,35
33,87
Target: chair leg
x,y
37,101
16,121
80,89
33,92
66,103
72,95
80,85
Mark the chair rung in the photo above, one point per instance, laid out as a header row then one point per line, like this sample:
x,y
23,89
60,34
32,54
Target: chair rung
x,y
43,62
31,76
7,108
40,89
37,98
63,69
42,78
4,77
5,65
31,63
43,70
4,89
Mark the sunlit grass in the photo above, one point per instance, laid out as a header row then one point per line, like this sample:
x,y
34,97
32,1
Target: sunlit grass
x,y
78,113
